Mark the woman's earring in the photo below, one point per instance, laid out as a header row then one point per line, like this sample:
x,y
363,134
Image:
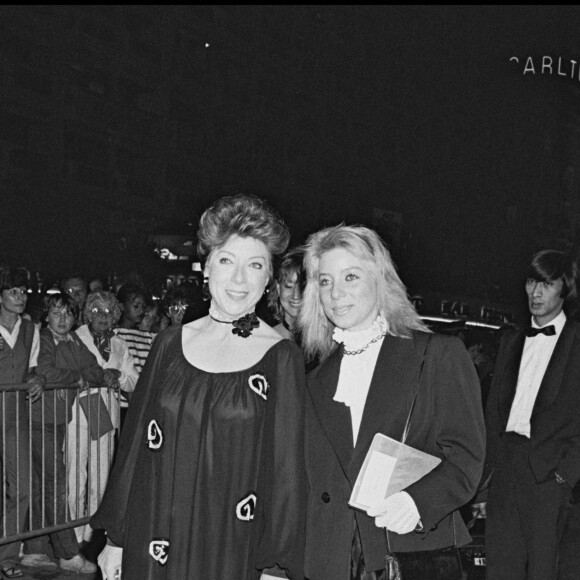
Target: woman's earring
x,y
205,288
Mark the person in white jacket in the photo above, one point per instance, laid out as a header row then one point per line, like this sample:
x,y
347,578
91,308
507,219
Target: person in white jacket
x,y
88,464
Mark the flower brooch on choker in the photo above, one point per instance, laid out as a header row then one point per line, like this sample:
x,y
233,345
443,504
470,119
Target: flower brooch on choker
x,y
242,326
245,325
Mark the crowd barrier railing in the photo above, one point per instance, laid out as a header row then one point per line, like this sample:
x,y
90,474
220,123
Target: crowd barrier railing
x,y
55,455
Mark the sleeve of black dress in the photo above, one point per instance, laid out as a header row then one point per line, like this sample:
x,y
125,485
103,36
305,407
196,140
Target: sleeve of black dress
x,y
110,514
281,493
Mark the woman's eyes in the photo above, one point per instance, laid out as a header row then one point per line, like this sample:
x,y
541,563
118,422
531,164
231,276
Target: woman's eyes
x,y
350,277
255,265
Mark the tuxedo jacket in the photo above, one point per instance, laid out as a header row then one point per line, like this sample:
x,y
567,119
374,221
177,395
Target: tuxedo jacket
x,y
555,421
440,384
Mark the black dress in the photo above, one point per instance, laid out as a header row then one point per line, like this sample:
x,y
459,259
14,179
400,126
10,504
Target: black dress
x,y
209,479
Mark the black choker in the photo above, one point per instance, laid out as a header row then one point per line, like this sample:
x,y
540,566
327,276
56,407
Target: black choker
x,y
242,326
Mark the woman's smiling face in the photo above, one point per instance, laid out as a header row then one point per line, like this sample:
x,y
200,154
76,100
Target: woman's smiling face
x,y
348,290
237,274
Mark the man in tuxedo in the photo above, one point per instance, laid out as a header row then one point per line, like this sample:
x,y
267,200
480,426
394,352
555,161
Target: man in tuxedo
x,y
533,429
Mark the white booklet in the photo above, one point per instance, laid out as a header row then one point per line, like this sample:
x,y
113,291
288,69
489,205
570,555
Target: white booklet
x,y
389,467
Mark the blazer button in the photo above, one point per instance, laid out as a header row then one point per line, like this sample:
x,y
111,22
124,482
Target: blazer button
x,y
325,497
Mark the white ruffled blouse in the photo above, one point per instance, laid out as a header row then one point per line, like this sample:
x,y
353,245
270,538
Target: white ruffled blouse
x,y
356,370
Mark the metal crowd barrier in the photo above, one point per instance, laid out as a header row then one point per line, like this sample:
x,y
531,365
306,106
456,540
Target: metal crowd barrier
x,y
30,450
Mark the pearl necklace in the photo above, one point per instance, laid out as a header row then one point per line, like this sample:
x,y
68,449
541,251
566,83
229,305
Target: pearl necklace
x,y
357,342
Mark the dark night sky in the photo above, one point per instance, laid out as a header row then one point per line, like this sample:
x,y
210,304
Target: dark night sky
x,y
411,109
417,110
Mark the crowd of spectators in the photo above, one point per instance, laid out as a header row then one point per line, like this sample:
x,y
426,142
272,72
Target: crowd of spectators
x,y
79,349
96,337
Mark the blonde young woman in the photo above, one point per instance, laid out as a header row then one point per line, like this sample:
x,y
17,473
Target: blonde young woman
x,y
381,370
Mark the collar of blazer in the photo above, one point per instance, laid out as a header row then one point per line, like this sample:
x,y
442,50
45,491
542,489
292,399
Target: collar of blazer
x,y
508,373
387,407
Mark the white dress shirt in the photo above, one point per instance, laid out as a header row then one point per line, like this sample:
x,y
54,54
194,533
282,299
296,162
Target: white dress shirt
x,y
536,355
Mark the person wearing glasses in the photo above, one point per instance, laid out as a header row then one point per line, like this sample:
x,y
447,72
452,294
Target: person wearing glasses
x,y
175,304
112,353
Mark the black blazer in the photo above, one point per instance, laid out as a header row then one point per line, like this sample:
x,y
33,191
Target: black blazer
x,y
555,421
447,421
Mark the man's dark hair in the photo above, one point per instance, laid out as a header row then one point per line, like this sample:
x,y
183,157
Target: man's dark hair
x,y
552,265
13,278
75,276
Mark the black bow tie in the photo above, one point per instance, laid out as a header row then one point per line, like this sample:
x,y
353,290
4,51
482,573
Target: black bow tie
x,y
547,330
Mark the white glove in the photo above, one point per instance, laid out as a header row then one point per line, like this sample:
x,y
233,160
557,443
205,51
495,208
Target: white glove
x,y
398,513
110,560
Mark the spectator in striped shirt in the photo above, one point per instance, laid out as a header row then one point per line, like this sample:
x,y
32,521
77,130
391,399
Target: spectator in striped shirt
x,y
133,303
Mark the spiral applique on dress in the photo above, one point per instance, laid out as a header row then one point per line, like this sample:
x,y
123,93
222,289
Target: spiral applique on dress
x,y
154,436
159,551
259,385
246,508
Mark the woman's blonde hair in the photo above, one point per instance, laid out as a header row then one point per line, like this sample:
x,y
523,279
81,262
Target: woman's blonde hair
x,y
366,245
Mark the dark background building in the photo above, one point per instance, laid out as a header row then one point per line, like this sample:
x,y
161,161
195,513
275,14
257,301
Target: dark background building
x,y
120,124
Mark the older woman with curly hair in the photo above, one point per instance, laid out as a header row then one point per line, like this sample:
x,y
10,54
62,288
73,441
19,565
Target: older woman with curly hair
x,y
96,405
209,479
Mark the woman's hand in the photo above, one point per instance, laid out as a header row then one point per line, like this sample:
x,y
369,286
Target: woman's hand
x,y
112,378
110,560
398,513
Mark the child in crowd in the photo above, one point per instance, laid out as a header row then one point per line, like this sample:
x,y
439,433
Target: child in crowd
x,y
63,359
133,303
